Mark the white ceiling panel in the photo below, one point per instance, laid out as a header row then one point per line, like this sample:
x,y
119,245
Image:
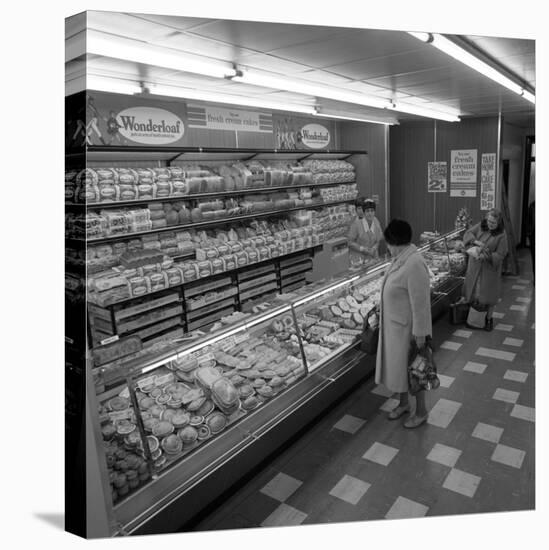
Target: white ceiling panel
x,y
122,24
264,37
272,63
351,45
326,77
203,46
173,21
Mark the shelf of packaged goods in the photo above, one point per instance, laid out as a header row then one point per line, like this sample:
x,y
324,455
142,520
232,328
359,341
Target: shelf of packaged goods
x,y
197,288
251,273
138,309
212,195
208,223
158,328
169,335
131,298
286,262
210,319
294,286
258,291
141,321
210,308
203,304
296,268
252,283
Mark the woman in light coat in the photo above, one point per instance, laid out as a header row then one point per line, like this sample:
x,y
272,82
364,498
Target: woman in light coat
x,y
486,243
365,232
405,313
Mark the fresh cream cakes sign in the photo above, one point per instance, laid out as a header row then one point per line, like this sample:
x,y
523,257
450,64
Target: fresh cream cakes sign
x,y
235,120
463,173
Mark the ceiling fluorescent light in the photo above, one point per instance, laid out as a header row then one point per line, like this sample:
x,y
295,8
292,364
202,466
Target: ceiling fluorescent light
x,y
460,54
114,85
420,111
242,101
529,96
117,47
355,118
308,88
423,36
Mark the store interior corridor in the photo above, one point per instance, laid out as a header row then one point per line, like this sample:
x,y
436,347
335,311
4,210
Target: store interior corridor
x,y
475,454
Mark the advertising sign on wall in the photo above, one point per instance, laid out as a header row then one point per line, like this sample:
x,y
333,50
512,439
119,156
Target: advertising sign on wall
x,y
488,181
300,133
437,177
112,119
219,118
463,173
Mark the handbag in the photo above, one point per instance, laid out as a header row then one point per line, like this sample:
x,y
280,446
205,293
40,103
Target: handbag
x,y
370,333
476,318
422,369
458,313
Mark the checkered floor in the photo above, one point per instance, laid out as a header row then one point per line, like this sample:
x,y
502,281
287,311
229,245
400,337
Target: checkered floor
x,y
474,454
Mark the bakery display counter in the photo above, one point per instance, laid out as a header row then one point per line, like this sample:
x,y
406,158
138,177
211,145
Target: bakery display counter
x,y
179,424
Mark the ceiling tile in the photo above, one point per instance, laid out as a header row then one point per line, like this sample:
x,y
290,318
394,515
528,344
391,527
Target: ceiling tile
x,y
121,24
263,37
203,46
272,63
172,21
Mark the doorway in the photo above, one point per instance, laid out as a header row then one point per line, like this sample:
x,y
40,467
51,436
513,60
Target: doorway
x,y
529,186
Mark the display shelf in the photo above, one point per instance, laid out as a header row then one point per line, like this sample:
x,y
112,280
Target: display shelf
x,y
196,478
251,283
130,311
252,293
296,268
209,223
194,288
216,305
102,153
247,274
210,319
197,196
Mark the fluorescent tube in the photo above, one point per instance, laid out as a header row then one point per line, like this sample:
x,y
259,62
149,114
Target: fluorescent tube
x,y
356,118
420,111
457,52
243,101
117,47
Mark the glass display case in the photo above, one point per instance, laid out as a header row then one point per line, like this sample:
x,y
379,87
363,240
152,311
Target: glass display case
x,y
176,426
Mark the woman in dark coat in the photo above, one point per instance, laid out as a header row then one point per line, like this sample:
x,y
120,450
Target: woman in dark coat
x,y
486,243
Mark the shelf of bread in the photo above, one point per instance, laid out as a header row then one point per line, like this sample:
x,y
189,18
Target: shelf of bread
x,y
145,271
258,291
187,244
104,185
199,301
116,225
256,281
195,289
296,268
246,274
222,302
209,320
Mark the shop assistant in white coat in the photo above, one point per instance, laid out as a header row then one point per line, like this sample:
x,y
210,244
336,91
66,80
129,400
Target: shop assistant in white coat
x,y
365,233
405,313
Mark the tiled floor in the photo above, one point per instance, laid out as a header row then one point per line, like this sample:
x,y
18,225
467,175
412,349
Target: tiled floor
x,y
475,453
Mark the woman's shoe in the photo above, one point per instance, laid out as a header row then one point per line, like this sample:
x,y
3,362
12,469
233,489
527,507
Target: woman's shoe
x,y
398,411
489,325
415,421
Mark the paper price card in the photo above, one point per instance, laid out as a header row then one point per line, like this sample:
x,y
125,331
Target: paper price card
x,y
120,415
206,357
242,337
227,344
146,382
163,379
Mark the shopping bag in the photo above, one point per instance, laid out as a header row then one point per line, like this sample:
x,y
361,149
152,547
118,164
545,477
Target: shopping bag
x,y
476,318
422,369
458,313
370,332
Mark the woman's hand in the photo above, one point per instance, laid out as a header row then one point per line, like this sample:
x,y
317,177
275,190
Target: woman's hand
x,y
420,341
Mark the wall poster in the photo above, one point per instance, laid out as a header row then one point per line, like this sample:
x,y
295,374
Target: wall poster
x,y
463,173
437,177
488,181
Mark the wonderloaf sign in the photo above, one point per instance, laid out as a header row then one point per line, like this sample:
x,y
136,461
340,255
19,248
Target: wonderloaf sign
x,y
149,125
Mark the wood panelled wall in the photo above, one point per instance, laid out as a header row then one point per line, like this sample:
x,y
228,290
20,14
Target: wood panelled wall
x,y
412,146
370,169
